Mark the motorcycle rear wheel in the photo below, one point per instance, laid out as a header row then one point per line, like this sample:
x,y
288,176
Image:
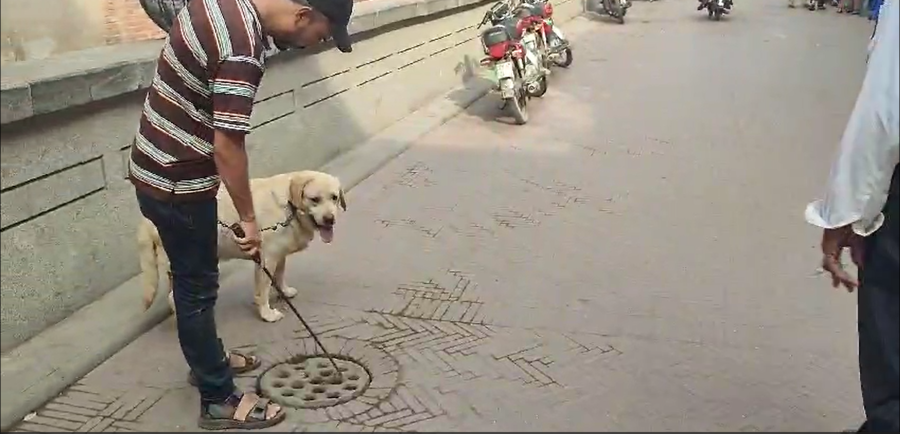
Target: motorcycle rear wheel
x,y
163,12
516,104
517,109
614,10
542,88
564,59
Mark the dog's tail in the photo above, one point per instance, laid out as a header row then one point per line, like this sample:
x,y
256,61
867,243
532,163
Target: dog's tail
x,y
148,245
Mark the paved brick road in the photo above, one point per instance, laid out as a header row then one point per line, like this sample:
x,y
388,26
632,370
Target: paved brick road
x,y
633,259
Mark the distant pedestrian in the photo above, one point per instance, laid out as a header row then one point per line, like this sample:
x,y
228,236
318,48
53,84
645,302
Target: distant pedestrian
x,y
853,7
861,212
810,4
874,9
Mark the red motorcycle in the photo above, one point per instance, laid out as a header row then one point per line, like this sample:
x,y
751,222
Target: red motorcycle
x,y
558,51
514,54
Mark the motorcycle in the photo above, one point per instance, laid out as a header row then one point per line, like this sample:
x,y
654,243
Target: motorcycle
x,y
716,8
163,12
616,9
511,49
815,5
558,51
534,32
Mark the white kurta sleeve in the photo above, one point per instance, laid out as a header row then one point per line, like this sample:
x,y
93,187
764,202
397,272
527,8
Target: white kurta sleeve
x,y
861,175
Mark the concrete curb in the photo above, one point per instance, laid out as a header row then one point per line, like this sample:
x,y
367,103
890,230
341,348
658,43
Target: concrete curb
x,y
41,368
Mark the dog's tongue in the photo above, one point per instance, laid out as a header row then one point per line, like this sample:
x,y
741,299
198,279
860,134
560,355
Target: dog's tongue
x,y
327,235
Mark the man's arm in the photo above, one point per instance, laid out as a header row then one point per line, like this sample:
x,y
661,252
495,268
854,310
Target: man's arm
x,y
231,162
234,88
861,174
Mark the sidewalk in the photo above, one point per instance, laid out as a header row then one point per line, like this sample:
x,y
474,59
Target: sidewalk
x,y
570,274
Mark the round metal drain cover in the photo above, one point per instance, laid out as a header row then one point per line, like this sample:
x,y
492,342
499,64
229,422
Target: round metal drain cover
x,y
310,382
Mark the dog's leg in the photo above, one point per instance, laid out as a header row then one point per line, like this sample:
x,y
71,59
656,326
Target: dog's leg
x,y
170,287
261,297
148,246
171,292
289,291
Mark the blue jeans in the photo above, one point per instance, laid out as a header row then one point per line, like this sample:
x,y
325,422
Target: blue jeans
x,y
879,322
874,8
189,235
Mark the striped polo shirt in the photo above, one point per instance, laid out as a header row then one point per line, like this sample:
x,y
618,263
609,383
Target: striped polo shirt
x,y
206,79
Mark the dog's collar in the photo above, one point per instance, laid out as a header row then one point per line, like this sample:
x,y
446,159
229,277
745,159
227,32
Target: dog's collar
x,y
294,213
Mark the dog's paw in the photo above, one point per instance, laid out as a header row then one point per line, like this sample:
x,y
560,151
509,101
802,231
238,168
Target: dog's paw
x,y
290,291
270,315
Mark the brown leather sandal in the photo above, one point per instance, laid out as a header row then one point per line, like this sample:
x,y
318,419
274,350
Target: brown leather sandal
x,y
250,363
247,412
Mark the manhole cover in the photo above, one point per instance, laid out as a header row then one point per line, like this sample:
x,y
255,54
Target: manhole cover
x,y
373,371
310,382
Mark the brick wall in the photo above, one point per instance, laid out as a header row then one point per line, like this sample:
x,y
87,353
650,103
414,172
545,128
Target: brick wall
x,y
126,22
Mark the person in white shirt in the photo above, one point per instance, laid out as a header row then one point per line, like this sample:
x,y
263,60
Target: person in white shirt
x,y
860,212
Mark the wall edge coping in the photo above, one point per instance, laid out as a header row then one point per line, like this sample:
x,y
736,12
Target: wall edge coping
x,y
37,87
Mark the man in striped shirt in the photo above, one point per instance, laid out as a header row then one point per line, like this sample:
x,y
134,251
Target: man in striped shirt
x,y
191,138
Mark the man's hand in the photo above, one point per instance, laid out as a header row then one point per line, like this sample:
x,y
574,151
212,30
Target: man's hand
x,y
834,241
251,241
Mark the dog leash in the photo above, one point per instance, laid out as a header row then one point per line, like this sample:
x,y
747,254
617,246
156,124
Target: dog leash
x,y
239,232
293,214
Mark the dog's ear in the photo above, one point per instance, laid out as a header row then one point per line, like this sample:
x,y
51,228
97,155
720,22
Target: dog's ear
x,y
298,184
342,200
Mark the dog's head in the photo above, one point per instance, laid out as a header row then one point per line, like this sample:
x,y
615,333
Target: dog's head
x,y
318,196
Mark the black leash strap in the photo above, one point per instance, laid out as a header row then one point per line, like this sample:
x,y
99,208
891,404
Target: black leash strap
x,y
239,232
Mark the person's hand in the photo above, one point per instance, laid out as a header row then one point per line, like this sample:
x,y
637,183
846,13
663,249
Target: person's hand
x,y
251,240
834,241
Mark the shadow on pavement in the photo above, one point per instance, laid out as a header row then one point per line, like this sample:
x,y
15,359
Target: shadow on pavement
x,y
474,79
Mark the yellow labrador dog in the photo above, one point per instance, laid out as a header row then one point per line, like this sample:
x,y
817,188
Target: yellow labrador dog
x,y
290,209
